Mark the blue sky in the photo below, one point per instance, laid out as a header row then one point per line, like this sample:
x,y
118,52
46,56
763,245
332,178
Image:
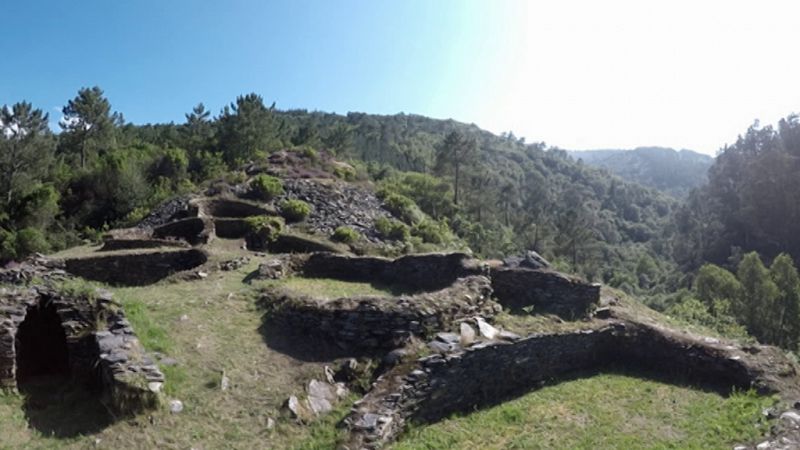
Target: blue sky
x,y
156,59
576,74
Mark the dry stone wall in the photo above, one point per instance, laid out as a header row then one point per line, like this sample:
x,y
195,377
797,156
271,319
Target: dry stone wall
x,y
545,291
135,269
486,373
231,228
228,208
194,230
98,338
110,245
417,272
372,322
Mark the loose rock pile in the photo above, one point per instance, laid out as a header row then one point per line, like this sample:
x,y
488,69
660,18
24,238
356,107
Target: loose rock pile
x,y
337,204
35,267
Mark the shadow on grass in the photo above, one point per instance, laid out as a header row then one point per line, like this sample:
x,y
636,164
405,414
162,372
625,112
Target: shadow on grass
x,y
663,376
57,407
305,346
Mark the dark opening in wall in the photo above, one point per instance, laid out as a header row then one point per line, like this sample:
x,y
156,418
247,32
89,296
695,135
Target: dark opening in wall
x,y
41,345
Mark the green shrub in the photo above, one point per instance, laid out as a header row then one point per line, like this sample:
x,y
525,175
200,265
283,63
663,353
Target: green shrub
x,y
432,232
295,210
392,229
31,240
694,311
263,230
8,245
345,235
403,208
309,153
345,172
266,187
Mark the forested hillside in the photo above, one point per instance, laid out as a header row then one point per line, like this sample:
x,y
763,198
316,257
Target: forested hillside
x,y
501,194
675,172
750,203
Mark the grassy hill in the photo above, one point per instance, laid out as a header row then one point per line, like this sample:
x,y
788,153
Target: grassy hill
x,y
207,328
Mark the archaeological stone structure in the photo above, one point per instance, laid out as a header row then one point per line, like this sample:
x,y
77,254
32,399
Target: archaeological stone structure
x,y
137,268
435,339
81,337
488,372
370,322
450,295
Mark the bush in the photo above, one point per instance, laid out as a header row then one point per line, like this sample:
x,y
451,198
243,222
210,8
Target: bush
x,y
263,230
17,245
295,210
693,311
345,172
266,187
403,208
345,235
432,232
31,240
309,153
173,164
392,229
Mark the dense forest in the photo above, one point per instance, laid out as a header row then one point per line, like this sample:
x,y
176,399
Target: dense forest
x,y
499,194
675,172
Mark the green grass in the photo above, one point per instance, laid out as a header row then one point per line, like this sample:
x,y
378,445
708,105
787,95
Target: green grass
x,y
208,326
604,411
332,289
213,324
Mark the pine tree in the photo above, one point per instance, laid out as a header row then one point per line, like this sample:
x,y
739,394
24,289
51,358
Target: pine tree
x,y
453,154
89,125
26,148
247,128
787,306
759,297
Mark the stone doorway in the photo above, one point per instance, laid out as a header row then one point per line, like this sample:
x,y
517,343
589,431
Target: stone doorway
x,y
41,344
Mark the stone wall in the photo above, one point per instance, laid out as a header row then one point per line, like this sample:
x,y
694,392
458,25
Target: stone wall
x,y
101,345
545,291
194,230
416,272
231,228
220,207
486,373
289,242
372,322
110,245
135,269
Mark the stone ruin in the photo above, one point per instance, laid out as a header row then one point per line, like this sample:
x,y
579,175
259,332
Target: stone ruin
x,y
83,337
470,369
439,302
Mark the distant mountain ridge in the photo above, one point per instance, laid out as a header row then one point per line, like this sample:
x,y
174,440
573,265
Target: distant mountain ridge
x,y
675,172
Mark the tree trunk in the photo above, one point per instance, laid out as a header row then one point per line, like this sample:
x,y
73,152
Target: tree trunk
x,y
455,196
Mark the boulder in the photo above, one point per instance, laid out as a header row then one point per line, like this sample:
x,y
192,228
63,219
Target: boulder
x,y
467,334
486,330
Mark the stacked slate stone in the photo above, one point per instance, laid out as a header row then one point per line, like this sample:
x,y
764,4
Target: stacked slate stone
x,y
372,322
477,375
95,330
35,267
335,205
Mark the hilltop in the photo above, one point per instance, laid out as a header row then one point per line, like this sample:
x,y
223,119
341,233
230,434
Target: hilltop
x,y
266,325
675,172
